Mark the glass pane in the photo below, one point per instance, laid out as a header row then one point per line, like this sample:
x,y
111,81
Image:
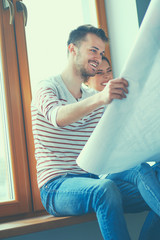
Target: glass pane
x,y
6,178
47,30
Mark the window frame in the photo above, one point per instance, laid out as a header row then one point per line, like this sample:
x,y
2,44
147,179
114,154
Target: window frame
x,y
26,99
22,202
16,67
102,23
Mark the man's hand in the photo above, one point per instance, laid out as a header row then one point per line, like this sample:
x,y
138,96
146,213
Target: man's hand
x,y
115,89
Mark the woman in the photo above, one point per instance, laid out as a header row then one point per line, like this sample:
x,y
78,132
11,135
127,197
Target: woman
x,y
103,75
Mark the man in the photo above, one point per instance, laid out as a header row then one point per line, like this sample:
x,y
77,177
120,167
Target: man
x,y
64,114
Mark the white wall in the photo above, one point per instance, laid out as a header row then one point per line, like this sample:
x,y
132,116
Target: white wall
x,y
123,26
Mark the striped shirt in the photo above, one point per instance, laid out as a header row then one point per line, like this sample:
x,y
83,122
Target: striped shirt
x,y
57,148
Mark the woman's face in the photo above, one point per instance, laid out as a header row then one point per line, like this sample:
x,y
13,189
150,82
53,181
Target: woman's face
x,y
103,75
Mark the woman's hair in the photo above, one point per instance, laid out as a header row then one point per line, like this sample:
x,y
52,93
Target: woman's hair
x,y
106,59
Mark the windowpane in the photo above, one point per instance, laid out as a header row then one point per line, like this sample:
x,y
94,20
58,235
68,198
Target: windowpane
x,y
6,178
47,30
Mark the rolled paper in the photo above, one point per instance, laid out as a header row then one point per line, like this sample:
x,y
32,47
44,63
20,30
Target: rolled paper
x,y
129,131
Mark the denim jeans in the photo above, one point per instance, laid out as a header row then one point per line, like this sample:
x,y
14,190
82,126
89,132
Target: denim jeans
x,y
86,193
146,180
151,227
108,198
136,184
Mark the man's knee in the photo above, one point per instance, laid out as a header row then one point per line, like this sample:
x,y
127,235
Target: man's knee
x,y
108,192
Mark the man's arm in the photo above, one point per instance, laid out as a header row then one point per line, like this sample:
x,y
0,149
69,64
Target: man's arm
x,y
71,113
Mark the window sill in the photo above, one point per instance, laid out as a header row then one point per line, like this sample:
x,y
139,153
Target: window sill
x,y
40,223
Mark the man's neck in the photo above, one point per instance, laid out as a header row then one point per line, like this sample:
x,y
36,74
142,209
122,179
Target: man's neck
x,y
73,82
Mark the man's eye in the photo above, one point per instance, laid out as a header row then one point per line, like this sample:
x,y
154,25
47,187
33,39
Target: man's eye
x,y
93,50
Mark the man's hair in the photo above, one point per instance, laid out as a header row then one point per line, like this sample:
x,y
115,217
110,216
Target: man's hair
x,y
79,34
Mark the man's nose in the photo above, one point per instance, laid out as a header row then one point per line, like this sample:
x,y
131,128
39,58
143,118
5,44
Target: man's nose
x,y
98,57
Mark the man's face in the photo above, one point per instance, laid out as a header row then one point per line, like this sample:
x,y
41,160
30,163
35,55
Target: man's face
x,y
89,55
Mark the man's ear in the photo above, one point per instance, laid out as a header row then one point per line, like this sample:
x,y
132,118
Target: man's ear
x,y
72,48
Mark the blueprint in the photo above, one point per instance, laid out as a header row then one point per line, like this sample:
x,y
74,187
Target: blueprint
x,y
129,131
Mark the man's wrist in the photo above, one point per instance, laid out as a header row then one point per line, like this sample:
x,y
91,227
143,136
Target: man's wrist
x,y
100,99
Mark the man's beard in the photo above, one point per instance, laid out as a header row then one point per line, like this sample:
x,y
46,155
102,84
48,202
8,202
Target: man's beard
x,y
85,75
82,70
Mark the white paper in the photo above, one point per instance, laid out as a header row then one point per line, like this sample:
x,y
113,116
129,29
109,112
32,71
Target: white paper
x,y
129,131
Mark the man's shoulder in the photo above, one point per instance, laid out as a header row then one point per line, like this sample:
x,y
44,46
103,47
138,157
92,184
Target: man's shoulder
x,y
50,82
53,82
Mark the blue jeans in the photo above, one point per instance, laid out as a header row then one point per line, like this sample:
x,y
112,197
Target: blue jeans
x,y
151,227
108,198
136,184
86,193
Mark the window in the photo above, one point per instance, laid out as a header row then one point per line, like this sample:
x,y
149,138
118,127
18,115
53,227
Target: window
x,y
18,186
6,174
47,33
